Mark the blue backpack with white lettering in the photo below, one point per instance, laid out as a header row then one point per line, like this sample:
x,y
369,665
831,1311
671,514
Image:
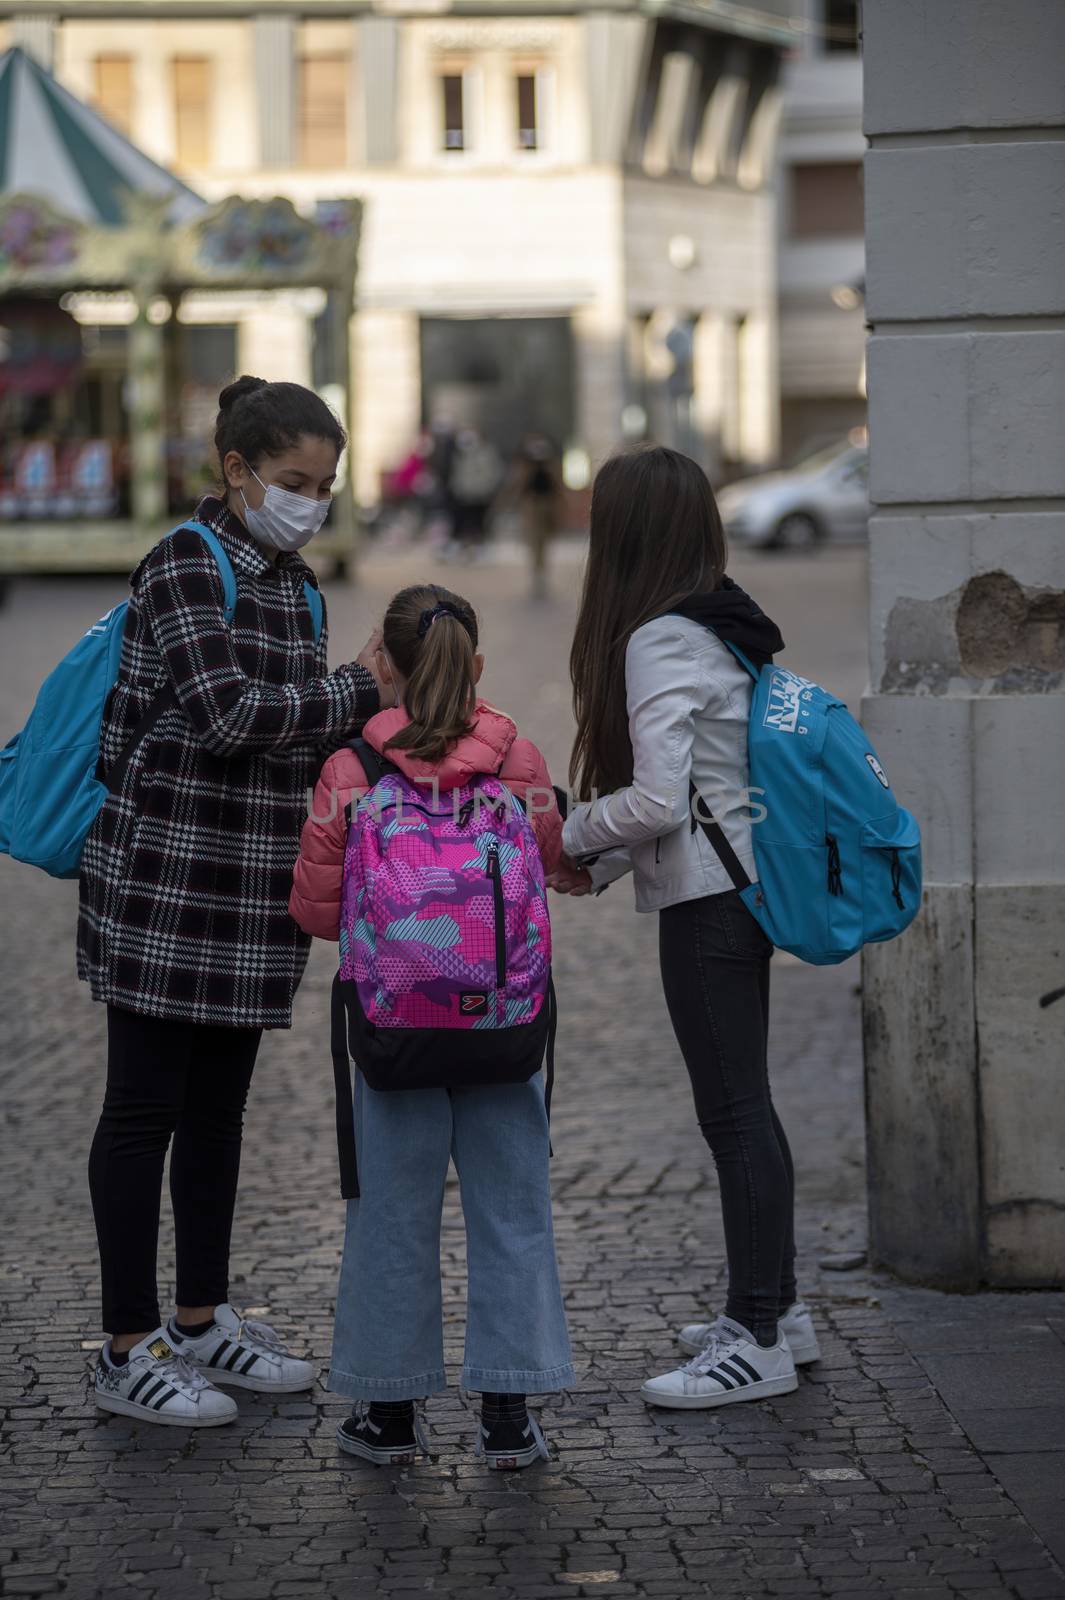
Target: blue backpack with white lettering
x,y
838,859
50,794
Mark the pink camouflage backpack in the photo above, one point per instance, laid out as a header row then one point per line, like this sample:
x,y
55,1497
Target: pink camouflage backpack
x,y
445,943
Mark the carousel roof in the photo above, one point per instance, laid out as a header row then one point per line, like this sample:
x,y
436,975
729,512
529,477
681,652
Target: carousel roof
x,y
53,145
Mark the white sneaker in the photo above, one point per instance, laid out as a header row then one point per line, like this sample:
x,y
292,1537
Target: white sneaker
x,y
158,1385
796,1325
244,1355
732,1367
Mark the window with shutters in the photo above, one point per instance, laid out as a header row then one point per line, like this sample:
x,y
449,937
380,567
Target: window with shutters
x,y
528,122
192,111
454,109
113,90
323,110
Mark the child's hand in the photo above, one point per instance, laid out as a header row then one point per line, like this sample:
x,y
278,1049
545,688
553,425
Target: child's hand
x,y
569,879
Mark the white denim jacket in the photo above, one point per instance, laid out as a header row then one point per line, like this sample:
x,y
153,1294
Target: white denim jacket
x,y
688,701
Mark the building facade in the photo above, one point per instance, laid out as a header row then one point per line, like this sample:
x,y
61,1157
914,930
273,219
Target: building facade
x,y
569,213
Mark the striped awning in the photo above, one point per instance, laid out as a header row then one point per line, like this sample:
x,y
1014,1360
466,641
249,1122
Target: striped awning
x,y
53,145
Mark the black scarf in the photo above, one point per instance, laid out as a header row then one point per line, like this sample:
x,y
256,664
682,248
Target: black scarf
x,y
735,618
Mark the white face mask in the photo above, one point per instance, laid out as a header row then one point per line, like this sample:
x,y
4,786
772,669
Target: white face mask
x,y
285,520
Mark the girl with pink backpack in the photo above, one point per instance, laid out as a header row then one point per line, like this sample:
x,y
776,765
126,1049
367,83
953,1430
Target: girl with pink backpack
x,y
424,856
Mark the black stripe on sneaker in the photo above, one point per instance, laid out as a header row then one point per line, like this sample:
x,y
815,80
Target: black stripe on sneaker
x,y
252,1359
235,1357
160,1383
719,1377
740,1377
219,1353
145,1377
738,1361
157,1405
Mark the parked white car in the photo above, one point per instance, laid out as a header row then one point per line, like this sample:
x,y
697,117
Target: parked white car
x,y
824,497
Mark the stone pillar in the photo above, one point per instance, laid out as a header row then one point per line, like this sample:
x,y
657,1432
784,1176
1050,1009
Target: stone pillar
x,y
614,52
147,413
709,373
378,54
275,88
600,338
274,340
965,113
386,359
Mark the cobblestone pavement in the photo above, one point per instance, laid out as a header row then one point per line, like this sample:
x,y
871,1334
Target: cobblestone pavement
x,y
921,1457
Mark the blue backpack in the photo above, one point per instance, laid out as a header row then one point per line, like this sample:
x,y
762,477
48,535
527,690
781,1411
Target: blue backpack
x,y
838,859
49,792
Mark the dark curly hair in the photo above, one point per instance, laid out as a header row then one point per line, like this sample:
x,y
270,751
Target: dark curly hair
x,y
260,419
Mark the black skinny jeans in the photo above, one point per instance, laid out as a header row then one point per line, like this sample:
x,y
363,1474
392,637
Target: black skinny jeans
x,y
181,1080
715,971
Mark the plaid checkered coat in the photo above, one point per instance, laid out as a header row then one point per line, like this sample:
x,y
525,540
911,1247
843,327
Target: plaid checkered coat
x,y
187,871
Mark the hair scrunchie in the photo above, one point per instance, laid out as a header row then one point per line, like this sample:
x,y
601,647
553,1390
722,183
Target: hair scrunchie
x,y
427,618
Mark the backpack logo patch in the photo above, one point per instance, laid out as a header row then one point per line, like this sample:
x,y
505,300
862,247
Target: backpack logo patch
x,y
784,704
878,771
474,1003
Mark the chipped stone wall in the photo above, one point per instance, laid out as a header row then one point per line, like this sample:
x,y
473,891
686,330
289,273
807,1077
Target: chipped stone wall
x,y
965,234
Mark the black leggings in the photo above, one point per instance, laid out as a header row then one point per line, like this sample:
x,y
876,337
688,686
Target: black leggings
x,y
715,970
166,1079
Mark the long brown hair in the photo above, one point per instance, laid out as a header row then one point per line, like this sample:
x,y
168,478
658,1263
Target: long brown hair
x,y
656,538
431,636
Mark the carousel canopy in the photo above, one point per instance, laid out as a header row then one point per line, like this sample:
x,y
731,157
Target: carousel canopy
x,y
54,146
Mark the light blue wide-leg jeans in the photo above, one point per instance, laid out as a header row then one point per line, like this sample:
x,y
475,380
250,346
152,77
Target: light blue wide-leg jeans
x,y
389,1337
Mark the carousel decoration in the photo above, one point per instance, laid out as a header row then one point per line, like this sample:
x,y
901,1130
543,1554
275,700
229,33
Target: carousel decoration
x,y
83,210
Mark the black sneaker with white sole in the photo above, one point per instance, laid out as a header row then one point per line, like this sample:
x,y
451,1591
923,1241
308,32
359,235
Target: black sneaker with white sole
x,y
156,1384
508,1443
242,1354
388,1435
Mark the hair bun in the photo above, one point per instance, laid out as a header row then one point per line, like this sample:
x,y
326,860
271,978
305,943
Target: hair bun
x,y
238,389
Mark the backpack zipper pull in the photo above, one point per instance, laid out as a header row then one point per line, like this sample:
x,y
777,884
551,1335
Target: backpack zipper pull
x,y
835,870
494,873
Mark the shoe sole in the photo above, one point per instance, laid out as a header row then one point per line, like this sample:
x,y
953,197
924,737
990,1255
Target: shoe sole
x,y
801,1354
511,1460
705,1402
372,1453
234,1380
130,1408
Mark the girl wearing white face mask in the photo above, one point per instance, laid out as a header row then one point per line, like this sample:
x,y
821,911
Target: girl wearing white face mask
x,y
222,713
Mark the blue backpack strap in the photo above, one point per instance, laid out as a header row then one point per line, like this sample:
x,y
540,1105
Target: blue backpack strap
x,y
314,600
166,698
743,660
225,568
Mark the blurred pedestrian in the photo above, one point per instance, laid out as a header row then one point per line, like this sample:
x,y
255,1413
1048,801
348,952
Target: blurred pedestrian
x,y
534,485
476,473
211,736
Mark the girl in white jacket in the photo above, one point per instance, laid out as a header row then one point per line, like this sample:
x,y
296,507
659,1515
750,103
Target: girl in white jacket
x,y
662,707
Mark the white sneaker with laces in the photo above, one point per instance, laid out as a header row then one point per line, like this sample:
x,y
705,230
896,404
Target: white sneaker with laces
x,y
243,1354
796,1325
157,1384
733,1366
